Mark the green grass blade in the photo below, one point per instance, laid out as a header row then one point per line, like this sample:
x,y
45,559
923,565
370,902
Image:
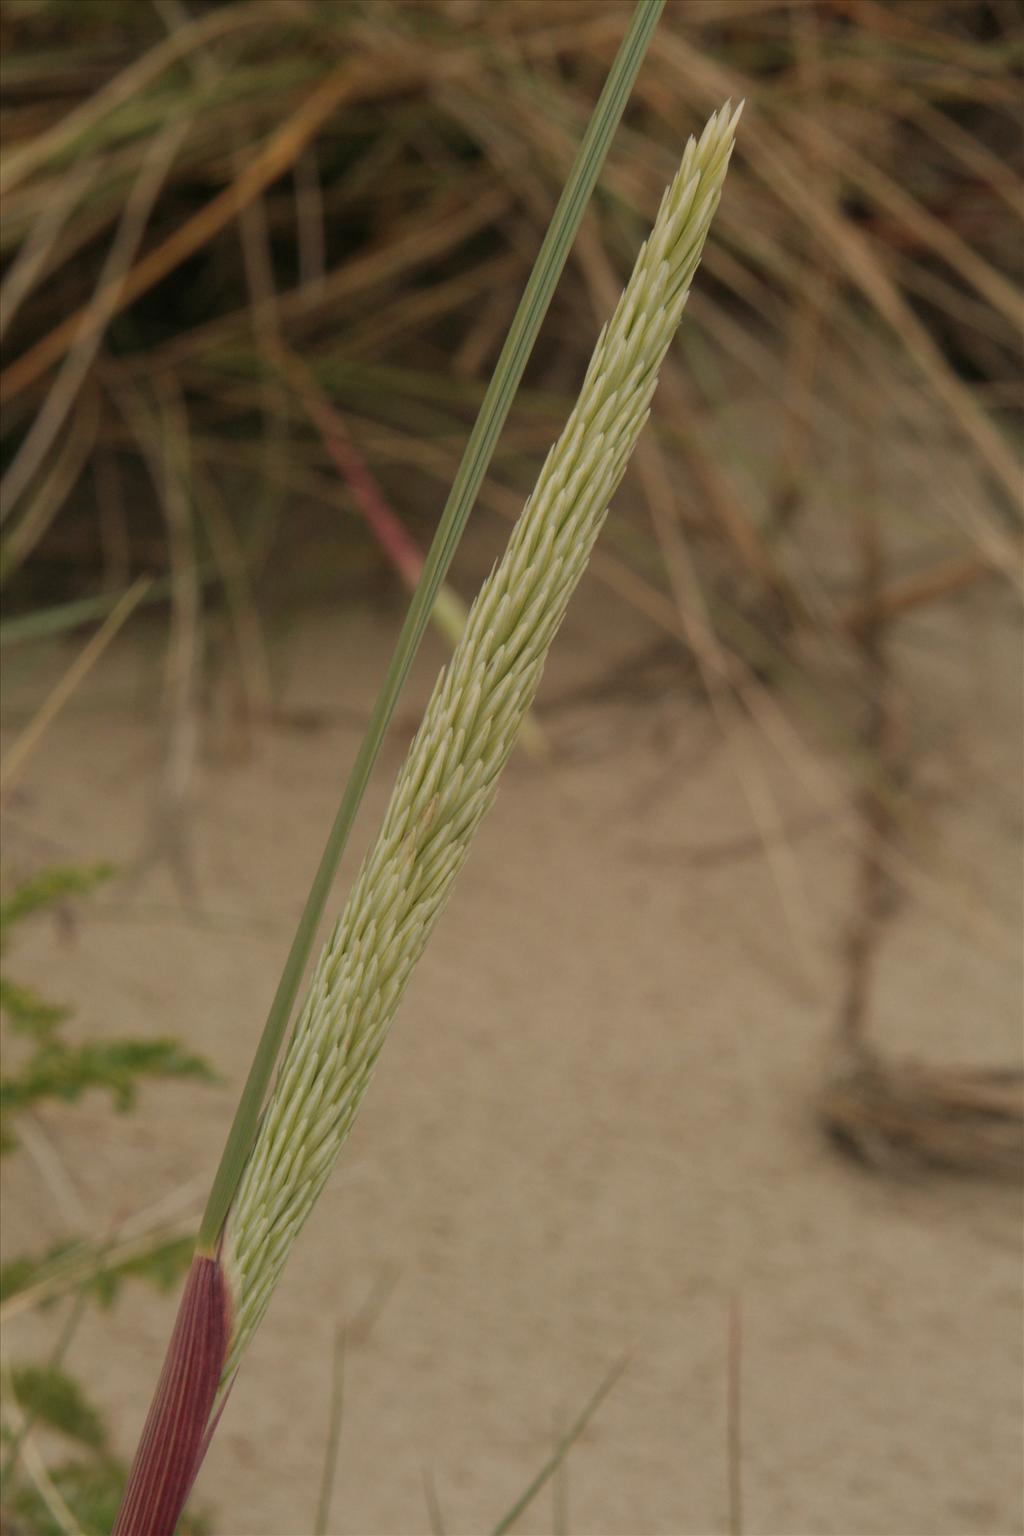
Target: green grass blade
x,y
48,623
497,401
560,1452
334,1421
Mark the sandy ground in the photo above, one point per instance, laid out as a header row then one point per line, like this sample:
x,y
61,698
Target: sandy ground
x,y
593,1125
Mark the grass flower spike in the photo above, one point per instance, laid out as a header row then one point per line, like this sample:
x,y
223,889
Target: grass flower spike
x,y
443,792
450,777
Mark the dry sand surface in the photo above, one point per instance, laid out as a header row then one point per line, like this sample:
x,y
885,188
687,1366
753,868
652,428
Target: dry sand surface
x,y
594,1122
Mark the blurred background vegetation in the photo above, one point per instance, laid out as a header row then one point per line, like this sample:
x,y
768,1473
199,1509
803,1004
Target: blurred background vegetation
x,y
197,195
259,260
259,257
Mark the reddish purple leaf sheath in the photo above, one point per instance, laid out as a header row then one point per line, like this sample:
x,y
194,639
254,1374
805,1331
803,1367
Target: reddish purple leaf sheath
x,y
174,1439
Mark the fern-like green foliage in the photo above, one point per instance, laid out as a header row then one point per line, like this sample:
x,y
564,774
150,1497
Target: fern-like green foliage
x,y
80,1265
26,1011
89,1482
51,1068
58,1071
47,888
42,1067
90,1486
55,1399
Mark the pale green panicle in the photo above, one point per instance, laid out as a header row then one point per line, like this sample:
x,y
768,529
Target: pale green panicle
x,y
451,773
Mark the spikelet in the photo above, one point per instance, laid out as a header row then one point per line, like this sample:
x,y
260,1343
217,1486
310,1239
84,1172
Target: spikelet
x,y
451,774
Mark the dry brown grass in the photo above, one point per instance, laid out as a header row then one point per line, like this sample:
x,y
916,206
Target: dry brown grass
x,y
367,182
905,1118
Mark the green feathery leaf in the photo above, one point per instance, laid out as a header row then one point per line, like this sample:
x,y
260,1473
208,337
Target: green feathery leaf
x,y
55,1399
45,889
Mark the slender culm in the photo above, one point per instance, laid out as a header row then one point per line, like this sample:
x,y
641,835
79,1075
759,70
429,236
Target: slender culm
x,y
451,774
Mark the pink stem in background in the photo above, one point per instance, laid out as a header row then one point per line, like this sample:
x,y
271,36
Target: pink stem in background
x,y
401,549
385,525
174,1440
